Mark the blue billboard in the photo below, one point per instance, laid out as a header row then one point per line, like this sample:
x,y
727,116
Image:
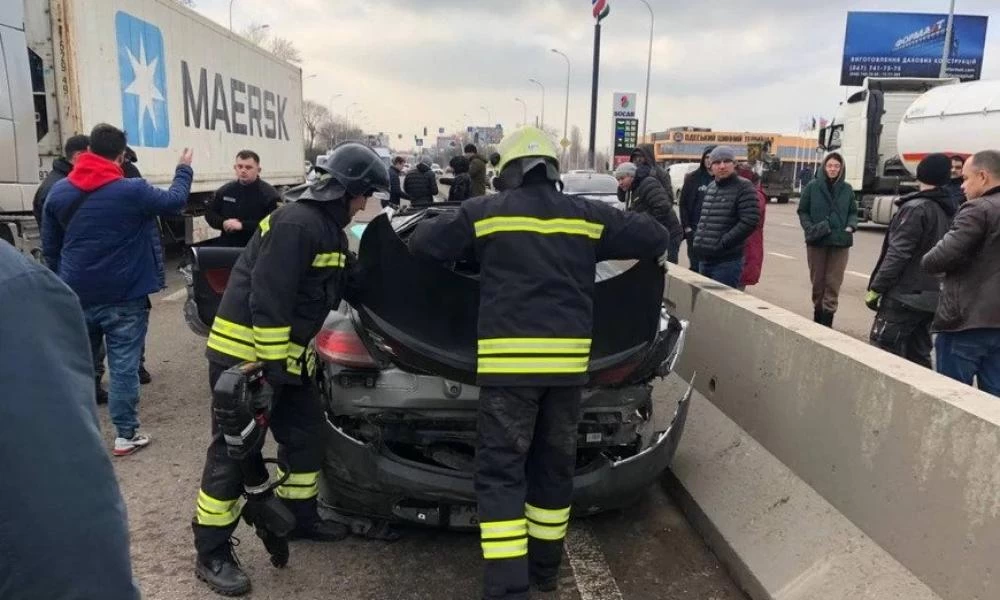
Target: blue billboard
x,y
883,44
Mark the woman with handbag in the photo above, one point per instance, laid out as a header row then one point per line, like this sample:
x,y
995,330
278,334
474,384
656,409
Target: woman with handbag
x,y
828,212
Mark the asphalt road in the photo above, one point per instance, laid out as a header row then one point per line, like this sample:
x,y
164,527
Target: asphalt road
x,y
785,277
646,552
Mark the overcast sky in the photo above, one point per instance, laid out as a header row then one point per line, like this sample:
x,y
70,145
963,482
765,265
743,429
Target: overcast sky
x,y
754,66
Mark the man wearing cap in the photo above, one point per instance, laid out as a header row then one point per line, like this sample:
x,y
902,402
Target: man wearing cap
x,y
905,295
641,192
729,216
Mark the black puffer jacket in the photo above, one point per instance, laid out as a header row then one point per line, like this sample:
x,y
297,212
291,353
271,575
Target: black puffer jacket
x,y
922,220
728,216
60,170
421,185
648,196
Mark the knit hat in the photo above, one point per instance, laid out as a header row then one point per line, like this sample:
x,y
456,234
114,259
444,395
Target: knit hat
x,y
721,154
934,169
626,169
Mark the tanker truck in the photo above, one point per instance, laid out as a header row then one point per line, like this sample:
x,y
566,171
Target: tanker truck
x,y
168,76
888,126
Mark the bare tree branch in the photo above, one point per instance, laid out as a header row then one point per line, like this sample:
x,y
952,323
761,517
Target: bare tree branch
x,y
285,49
314,115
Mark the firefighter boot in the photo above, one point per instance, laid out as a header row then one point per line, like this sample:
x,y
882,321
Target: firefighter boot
x,y
309,525
222,572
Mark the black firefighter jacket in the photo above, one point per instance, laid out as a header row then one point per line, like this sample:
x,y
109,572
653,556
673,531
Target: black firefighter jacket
x,y
292,273
922,220
729,215
537,249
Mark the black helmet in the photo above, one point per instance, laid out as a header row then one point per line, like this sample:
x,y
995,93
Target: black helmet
x,y
357,168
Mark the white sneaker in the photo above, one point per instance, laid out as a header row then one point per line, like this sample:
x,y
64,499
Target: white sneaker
x,y
124,446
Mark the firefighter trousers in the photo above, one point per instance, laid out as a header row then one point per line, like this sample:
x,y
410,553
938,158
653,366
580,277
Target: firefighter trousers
x,y
525,460
297,424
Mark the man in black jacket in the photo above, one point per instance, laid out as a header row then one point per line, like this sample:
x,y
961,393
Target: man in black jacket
x,y
238,207
477,170
395,185
60,169
421,183
645,162
534,348
729,215
905,295
642,192
692,197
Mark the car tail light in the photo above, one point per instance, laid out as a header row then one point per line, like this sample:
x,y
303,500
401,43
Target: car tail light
x,y
217,279
616,375
342,346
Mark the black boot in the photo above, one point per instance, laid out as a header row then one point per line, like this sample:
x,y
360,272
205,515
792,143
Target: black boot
x,y
99,392
320,531
144,376
545,584
818,315
827,319
221,571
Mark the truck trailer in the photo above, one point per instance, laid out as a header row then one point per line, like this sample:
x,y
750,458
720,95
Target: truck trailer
x,y
168,76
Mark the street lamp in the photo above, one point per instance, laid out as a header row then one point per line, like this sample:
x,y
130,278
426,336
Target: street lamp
x,y
330,103
566,111
539,84
347,112
524,116
231,14
649,66
489,116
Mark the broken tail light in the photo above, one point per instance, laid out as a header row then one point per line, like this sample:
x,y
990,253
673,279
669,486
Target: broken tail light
x,y
341,345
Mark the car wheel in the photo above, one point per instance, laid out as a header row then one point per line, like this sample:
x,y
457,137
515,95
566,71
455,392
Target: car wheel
x,y
782,199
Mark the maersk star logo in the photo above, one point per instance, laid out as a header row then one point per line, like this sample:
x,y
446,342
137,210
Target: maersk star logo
x,y
143,82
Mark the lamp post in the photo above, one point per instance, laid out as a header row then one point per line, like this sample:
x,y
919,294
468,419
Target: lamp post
x,y
524,113
948,36
649,67
539,84
566,110
330,103
231,14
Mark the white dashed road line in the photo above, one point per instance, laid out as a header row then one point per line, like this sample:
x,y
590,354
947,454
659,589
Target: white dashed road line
x,y
857,274
780,255
789,224
590,569
175,296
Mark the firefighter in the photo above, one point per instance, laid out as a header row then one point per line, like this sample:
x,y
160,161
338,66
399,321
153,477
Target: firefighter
x,y
538,251
292,273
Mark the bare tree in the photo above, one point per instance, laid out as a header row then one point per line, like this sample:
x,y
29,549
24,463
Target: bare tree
x,y
314,115
283,48
332,132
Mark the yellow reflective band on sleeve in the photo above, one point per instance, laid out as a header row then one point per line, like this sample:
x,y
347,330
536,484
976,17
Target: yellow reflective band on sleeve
x,y
550,533
329,259
295,351
233,330
493,225
505,549
271,335
534,346
492,530
529,365
265,225
300,486
546,516
216,513
272,351
293,362
231,348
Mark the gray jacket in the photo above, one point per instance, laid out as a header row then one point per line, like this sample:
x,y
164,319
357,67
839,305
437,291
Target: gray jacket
x,y
968,261
63,529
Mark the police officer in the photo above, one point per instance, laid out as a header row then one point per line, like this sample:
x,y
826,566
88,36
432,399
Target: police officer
x,y
534,347
238,207
292,273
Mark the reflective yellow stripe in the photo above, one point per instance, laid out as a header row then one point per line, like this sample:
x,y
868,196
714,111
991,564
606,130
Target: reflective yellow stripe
x,y
293,366
534,346
265,225
540,365
271,334
233,330
547,516
329,259
231,348
493,225
293,362
549,533
300,486
503,529
272,352
216,513
505,549
295,351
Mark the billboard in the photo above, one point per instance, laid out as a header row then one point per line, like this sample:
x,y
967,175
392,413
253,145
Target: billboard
x,y
884,44
623,104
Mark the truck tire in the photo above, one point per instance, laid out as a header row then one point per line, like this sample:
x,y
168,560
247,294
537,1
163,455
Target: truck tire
x,y
782,199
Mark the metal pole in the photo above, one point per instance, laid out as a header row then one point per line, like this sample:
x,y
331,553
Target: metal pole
x,y
566,110
231,14
593,95
947,41
649,68
524,111
541,85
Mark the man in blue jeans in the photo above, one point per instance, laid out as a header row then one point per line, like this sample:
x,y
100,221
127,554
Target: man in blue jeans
x,y
99,236
729,215
967,260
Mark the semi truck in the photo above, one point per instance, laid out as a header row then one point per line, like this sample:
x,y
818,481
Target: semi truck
x,y
886,128
168,76
767,166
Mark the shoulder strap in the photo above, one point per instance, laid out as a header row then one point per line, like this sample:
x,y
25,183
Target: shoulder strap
x,y
67,215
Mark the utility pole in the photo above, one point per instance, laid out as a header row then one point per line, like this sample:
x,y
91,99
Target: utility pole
x,y
593,95
649,68
541,85
947,41
566,110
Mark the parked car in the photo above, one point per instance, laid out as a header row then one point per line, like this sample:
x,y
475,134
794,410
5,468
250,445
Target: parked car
x,y
593,186
398,384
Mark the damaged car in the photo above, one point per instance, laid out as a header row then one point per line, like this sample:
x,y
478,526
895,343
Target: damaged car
x,y
397,372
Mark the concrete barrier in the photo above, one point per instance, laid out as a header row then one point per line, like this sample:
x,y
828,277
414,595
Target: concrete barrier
x,y
911,458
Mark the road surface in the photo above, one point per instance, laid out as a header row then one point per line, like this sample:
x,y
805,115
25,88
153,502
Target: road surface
x,y
647,552
785,277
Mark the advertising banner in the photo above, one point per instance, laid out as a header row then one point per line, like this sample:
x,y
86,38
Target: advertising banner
x,y
883,44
